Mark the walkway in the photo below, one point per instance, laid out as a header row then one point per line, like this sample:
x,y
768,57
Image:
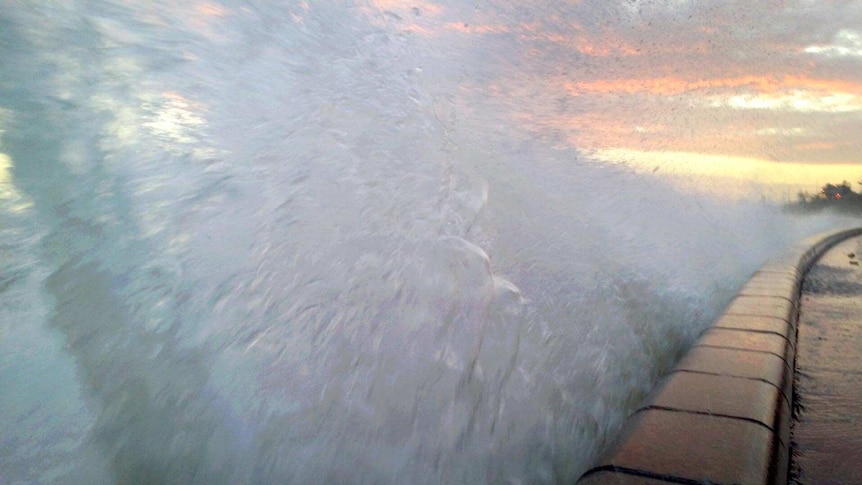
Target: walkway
x,y
826,435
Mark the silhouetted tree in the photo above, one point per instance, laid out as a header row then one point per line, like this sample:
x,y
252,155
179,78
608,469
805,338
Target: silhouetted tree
x,y
839,197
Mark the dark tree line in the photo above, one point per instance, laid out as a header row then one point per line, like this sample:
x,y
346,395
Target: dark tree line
x,y
839,197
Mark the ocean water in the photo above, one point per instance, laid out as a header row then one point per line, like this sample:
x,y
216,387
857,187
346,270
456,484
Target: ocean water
x,y
297,242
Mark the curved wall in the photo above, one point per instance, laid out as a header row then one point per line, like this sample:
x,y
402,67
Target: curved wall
x,y
722,415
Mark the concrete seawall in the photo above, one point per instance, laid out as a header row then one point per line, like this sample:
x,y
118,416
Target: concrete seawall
x,y
722,415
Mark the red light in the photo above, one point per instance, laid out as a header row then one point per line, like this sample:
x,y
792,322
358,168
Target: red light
x,y
837,196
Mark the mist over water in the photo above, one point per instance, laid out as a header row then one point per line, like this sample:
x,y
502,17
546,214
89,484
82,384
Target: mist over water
x,y
297,243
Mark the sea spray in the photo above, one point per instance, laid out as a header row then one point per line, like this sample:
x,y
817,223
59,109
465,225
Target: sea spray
x,y
297,244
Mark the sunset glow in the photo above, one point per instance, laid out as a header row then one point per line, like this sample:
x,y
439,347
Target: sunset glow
x,y
671,82
731,169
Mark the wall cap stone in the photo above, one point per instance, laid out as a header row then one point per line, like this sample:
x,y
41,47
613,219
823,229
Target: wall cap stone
x,y
722,415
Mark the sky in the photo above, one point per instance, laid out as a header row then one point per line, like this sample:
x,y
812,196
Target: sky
x,y
737,90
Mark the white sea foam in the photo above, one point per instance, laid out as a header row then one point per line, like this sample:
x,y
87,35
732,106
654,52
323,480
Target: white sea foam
x,y
295,244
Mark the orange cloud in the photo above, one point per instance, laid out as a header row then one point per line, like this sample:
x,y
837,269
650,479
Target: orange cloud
x,y
586,46
210,10
669,86
423,7
390,4
466,28
601,45
419,17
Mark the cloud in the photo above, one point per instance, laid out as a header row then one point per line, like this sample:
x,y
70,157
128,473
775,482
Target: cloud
x,y
678,85
788,93
754,81
846,43
467,28
802,101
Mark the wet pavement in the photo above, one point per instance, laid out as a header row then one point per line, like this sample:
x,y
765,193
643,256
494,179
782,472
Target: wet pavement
x,y
826,431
